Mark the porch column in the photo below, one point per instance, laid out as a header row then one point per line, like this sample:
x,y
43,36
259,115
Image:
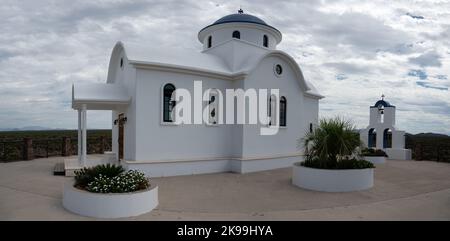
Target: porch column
x,y
84,139
79,137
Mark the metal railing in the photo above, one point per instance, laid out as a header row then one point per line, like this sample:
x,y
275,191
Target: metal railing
x,y
28,149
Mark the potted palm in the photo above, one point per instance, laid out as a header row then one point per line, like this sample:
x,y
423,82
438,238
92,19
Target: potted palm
x,y
374,156
332,163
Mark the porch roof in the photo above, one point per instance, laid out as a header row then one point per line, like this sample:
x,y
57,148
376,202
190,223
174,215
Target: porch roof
x,y
99,96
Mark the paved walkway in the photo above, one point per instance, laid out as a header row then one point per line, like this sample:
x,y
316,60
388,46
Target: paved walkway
x,y
404,190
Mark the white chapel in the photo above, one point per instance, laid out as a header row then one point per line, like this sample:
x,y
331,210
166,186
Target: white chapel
x,y
238,51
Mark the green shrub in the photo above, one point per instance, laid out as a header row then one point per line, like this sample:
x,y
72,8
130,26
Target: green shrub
x,y
86,175
373,152
130,181
332,145
345,163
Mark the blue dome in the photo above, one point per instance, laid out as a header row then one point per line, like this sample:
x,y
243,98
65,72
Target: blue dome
x,y
383,103
240,17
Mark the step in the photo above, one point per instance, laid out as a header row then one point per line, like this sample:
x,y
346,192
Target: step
x,y
58,170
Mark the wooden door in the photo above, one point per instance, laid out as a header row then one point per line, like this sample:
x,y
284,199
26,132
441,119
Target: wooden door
x,y
121,130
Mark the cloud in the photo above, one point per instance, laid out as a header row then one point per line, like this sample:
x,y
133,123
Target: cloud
x,y
430,59
418,73
352,51
427,85
415,16
441,76
341,77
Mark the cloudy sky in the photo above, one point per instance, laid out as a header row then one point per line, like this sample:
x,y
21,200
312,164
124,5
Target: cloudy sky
x,y
353,51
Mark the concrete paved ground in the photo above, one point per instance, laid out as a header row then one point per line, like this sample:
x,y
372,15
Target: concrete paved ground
x,y
404,190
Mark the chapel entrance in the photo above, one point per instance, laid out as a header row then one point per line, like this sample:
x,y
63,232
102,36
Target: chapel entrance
x,y
121,130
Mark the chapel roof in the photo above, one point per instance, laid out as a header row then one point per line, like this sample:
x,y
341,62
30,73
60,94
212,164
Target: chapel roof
x,y
240,17
191,59
382,103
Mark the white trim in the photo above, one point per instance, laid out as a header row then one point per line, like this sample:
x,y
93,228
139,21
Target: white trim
x,y
314,96
79,137
163,123
247,158
84,135
173,68
162,169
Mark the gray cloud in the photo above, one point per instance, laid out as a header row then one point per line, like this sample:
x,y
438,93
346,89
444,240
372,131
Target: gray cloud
x,y
427,59
418,73
428,85
418,17
45,46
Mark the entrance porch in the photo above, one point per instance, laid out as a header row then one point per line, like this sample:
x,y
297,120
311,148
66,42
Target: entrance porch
x,y
86,97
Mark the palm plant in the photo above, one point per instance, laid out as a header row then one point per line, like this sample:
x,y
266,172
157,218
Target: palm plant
x,y
333,141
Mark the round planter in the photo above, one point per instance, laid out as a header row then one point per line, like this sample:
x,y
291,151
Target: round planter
x,y
326,180
109,205
375,159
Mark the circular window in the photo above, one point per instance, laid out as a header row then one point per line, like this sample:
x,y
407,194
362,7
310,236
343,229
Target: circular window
x,y
278,69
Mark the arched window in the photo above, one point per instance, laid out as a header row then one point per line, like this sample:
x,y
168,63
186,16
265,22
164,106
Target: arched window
x,y
209,41
168,102
381,111
283,106
310,127
272,110
237,34
213,107
387,138
372,141
265,41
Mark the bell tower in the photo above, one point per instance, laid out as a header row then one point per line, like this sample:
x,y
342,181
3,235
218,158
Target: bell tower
x,y
382,112
382,132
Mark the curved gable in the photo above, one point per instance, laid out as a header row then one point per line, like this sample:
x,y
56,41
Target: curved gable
x,y
114,61
294,66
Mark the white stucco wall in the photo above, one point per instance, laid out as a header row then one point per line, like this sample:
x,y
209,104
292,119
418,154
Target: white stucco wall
x,y
301,111
237,54
157,141
160,141
125,76
388,119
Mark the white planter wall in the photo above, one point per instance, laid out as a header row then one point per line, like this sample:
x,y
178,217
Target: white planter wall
x,y
325,180
112,205
375,159
398,154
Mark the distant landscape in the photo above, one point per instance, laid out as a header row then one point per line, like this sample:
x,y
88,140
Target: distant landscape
x,y
28,128
46,143
424,146
46,133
